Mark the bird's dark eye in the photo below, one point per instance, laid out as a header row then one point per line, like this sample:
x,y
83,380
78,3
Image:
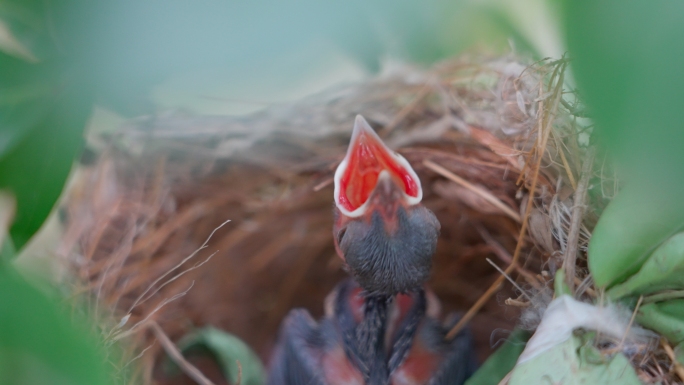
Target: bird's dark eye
x,y
340,235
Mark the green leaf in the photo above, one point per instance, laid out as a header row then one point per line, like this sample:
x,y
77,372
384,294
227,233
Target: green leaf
x,y
7,210
628,60
7,250
25,94
560,287
36,169
666,318
38,345
663,270
228,349
41,131
588,352
630,228
502,361
21,111
43,112
562,365
24,28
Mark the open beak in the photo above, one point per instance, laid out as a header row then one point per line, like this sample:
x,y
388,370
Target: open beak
x,y
373,175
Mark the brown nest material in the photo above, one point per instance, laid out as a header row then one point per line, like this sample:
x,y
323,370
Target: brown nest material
x,y
481,132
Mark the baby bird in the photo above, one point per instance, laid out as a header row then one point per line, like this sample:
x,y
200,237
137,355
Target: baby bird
x,y
382,231
381,328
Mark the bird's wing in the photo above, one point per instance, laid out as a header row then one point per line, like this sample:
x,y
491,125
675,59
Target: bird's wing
x,y
459,361
297,357
431,360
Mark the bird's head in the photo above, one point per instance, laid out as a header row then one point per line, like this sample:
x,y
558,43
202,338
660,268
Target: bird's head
x,y
383,233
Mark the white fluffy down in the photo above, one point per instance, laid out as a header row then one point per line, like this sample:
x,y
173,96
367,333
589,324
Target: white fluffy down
x,y
565,314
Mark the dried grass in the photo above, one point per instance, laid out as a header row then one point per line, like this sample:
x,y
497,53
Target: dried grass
x,y
495,140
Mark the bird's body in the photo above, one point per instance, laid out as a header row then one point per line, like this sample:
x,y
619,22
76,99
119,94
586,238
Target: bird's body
x,y
379,341
381,328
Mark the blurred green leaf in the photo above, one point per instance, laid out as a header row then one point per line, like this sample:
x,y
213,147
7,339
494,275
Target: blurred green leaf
x,y
562,365
630,228
587,351
228,349
45,101
663,270
628,59
41,131
21,110
502,361
560,287
24,28
666,318
37,343
7,250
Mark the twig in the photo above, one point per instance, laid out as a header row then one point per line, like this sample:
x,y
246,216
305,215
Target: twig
x,y
404,111
631,321
545,128
136,357
573,110
674,294
508,278
175,277
137,325
566,165
670,353
517,303
142,298
118,258
323,184
486,195
151,244
587,289
239,379
499,250
570,257
506,257
177,357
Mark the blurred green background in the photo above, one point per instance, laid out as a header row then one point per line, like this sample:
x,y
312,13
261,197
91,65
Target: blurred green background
x,y
62,60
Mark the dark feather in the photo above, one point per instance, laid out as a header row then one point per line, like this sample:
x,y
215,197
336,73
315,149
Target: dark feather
x,y
388,264
295,360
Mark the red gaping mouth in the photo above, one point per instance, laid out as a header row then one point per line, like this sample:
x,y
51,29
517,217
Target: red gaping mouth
x,y
357,175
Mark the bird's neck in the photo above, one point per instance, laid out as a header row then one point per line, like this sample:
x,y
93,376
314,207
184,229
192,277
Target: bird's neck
x,y
370,336
380,342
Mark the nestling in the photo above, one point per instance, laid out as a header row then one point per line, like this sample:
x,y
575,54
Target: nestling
x,y
382,231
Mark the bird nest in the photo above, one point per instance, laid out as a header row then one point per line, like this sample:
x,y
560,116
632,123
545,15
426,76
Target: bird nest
x,y
497,142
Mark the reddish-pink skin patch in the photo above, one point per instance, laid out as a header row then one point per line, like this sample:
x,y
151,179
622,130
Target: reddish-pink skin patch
x,y
402,304
338,370
418,367
404,301
356,302
367,158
